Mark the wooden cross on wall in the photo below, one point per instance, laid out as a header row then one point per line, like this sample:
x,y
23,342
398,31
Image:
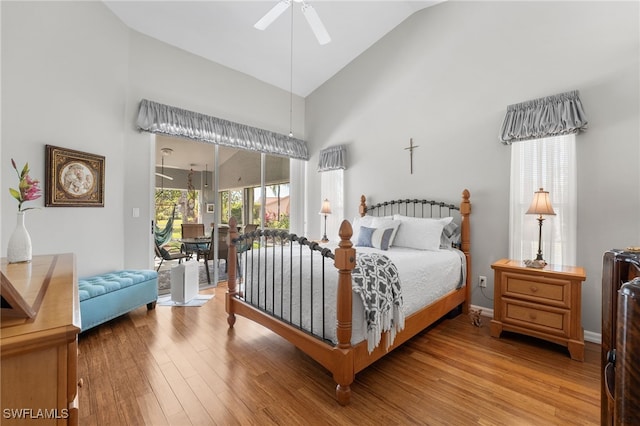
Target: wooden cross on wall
x,y
411,147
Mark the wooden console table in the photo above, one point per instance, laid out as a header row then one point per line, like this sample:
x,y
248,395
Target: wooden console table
x,y
39,355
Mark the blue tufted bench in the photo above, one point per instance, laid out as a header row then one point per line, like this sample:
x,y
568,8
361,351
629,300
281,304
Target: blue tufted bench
x,y
107,296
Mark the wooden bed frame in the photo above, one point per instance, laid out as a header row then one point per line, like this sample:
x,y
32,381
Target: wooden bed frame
x,y
345,360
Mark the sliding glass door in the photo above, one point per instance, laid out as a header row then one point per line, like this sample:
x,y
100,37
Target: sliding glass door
x,y
254,188
199,182
277,212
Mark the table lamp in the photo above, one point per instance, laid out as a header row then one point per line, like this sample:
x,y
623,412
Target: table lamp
x,y
325,210
541,205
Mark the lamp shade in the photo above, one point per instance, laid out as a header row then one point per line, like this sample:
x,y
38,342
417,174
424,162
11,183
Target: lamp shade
x,y
541,204
326,207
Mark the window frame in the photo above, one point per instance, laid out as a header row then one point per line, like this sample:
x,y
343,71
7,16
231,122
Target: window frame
x,y
548,163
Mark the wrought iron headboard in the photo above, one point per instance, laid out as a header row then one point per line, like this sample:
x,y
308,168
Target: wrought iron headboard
x,y
409,207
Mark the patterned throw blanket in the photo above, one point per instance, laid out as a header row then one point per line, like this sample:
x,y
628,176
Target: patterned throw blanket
x,y
375,279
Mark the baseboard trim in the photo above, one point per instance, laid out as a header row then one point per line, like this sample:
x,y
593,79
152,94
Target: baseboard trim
x,y
589,336
593,337
486,312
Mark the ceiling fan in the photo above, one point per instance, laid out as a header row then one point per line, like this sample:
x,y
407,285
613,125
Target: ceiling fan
x,y
307,10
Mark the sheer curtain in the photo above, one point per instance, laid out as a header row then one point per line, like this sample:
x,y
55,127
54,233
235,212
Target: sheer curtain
x,y
548,163
332,188
331,164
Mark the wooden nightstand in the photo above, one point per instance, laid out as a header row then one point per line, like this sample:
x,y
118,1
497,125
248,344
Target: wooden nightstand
x,y
543,303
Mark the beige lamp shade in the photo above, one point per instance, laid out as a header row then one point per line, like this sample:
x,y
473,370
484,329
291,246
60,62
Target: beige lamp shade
x,y
541,204
326,207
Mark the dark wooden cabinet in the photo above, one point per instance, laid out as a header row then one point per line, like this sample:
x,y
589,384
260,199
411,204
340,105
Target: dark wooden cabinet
x,y
620,376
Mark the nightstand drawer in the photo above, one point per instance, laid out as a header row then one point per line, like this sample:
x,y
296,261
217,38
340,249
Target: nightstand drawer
x,y
544,319
549,291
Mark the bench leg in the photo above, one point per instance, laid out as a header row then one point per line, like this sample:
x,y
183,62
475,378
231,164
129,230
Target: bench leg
x,y
151,305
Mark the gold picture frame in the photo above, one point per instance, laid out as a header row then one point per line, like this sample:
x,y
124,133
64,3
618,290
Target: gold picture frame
x,y
73,178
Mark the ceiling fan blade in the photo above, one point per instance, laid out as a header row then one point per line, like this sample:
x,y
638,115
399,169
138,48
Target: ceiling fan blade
x,y
315,23
273,14
164,176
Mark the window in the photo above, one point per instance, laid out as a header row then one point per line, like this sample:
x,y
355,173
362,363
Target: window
x,y
231,205
332,162
241,193
276,186
332,189
548,163
183,204
276,206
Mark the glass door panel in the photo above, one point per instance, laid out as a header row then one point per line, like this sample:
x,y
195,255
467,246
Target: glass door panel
x,y
277,201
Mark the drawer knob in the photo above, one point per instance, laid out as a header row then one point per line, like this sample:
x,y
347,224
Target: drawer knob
x,y
80,383
534,289
532,315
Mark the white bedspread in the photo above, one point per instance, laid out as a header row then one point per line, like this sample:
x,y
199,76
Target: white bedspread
x,y
425,276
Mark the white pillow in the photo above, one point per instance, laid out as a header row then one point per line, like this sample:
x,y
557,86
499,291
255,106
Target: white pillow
x,y
420,233
387,222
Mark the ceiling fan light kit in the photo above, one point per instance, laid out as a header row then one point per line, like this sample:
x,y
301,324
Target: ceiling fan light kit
x,y
165,152
309,13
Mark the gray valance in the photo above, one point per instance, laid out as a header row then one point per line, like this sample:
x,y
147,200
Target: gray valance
x,y
164,119
332,158
555,115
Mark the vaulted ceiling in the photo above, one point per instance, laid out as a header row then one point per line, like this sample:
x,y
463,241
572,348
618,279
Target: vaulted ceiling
x,y
223,31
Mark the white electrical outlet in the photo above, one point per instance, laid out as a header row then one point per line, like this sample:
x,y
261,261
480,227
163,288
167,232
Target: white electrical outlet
x,y
482,281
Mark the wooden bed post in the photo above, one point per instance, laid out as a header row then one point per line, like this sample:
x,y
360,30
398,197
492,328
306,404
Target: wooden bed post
x,y
345,260
232,264
465,244
363,206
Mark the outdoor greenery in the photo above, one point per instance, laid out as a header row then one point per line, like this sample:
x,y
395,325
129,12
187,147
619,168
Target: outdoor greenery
x,y
236,205
272,221
184,206
174,201
277,219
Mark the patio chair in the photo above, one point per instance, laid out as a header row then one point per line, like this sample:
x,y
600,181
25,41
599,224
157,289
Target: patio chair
x,y
223,250
250,228
163,254
193,230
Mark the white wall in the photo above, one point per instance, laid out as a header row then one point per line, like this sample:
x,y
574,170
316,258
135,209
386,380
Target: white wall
x,y
72,76
64,81
445,77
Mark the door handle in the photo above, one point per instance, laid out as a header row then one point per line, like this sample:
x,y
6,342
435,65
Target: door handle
x,y
610,374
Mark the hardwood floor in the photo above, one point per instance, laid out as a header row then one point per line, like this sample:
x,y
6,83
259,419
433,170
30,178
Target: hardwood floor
x,y
182,366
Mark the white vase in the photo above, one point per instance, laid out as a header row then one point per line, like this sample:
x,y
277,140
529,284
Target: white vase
x,y
19,249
